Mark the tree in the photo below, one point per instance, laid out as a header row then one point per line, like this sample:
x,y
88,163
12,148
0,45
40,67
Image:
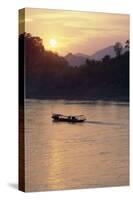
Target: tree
x,y
106,58
127,45
33,50
87,61
118,48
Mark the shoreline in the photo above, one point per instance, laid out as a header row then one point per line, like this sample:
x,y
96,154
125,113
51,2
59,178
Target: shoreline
x,y
80,99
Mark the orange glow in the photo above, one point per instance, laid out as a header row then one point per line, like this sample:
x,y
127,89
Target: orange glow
x,y
73,31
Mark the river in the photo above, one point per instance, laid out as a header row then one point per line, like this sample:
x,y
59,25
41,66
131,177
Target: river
x,y
81,155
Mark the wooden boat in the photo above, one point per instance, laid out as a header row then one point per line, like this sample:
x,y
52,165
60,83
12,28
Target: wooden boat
x,y
70,118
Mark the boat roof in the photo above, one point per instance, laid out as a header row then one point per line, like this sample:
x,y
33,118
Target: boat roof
x,y
56,114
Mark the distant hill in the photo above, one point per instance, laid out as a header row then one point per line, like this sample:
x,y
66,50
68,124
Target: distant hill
x,y
79,58
98,55
76,59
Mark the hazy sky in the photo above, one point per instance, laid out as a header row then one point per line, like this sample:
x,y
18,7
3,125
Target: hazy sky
x,y
84,32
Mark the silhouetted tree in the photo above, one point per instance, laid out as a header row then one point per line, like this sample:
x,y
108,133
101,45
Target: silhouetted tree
x,y
118,48
127,43
106,58
87,61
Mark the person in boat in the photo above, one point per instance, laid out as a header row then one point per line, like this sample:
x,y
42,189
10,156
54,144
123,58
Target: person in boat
x,y
72,118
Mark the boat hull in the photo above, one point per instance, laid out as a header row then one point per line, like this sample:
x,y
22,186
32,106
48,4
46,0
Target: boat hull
x,y
70,119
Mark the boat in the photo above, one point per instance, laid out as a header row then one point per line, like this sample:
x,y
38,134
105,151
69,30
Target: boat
x,y
69,118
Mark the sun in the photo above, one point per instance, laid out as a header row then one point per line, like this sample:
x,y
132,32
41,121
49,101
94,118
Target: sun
x,y
53,42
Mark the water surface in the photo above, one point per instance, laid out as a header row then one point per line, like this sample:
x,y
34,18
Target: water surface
x,y
82,155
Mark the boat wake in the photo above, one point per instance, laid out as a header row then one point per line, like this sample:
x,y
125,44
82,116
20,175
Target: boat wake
x,y
105,123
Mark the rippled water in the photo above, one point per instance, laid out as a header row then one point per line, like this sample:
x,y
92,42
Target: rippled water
x,y
82,155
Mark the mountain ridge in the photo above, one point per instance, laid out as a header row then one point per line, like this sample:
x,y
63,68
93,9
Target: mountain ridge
x,y
78,59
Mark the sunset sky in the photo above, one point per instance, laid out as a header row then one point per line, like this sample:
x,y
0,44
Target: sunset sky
x,y
73,31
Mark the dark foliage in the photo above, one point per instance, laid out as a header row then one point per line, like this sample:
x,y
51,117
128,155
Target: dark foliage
x,y
118,48
48,75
